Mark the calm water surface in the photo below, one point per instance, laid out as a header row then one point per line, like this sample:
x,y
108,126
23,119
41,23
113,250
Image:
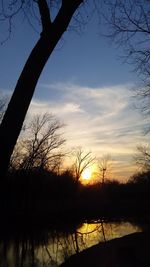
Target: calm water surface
x,y
51,248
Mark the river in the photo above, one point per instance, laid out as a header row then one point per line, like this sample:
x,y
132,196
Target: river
x,y
49,248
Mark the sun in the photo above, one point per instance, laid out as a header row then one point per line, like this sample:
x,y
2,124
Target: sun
x,y
89,175
86,175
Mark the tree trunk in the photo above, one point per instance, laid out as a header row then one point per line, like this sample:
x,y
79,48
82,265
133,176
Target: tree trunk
x,y
15,114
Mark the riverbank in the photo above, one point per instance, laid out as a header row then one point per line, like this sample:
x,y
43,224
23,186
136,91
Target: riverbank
x,y
128,251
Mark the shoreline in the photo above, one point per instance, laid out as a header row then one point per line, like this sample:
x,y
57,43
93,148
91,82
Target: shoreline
x,y
127,251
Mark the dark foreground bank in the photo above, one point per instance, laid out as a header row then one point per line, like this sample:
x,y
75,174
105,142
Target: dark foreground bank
x,y
128,251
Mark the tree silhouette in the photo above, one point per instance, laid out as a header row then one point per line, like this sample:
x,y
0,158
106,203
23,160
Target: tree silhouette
x,y
41,148
142,157
51,32
128,24
83,160
104,164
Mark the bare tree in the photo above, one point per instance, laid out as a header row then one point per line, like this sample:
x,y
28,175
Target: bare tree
x,y
42,146
142,157
51,31
104,165
83,160
128,24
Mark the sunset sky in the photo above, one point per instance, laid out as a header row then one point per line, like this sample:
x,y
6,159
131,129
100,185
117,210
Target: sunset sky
x,y
87,86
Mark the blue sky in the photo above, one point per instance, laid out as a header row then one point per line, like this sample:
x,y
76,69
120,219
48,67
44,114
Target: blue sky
x,y
86,85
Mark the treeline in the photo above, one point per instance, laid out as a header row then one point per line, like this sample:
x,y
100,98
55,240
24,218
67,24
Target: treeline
x,y
47,196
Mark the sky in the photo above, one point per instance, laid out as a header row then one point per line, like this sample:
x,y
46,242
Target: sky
x,y
87,86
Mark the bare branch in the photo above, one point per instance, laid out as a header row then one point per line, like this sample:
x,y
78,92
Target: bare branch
x,y
83,160
142,157
104,165
128,24
42,148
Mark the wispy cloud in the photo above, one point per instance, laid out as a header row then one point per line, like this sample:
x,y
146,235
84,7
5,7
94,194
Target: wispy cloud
x,y
98,119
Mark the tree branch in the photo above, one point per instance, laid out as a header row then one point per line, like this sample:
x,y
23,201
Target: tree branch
x,y
66,12
45,15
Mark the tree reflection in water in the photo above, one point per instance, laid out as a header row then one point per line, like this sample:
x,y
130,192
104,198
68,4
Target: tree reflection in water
x,y
50,248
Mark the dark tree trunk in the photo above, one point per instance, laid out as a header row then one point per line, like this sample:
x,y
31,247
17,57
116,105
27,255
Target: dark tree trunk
x,y
15,114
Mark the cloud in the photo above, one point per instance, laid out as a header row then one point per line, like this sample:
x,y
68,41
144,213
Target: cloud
x,y
99,119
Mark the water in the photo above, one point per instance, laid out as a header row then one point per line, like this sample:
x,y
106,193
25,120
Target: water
x,y
51,248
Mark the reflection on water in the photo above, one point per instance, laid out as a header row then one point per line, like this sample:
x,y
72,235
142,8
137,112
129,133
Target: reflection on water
x,y
51,248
